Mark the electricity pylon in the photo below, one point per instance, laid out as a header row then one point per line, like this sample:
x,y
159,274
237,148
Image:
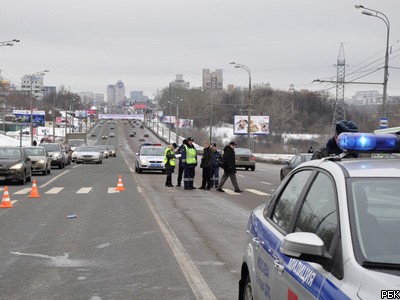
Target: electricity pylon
x,y
339,112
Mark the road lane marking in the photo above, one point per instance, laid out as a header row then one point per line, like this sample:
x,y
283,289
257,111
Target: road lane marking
x,y
84,190
257,192
53,179
266,182
23,191
54,190
199,286
14,201
112,190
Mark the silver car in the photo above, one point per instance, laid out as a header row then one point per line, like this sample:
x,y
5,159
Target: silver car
x,y
330,231
89,154
40,159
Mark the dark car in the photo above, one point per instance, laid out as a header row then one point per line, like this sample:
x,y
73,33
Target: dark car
x,y
294,162
132,134
245,159
146,135
57,154
15,165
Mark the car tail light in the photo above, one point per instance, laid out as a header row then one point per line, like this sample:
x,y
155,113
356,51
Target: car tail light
x,y
253,158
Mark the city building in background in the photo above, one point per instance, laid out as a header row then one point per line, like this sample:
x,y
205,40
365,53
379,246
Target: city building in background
x,y
115,93
367,97
179,82
110,93
212,80
33,84
138,97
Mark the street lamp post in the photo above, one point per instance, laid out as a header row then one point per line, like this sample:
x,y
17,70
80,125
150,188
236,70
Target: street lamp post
x,y
385,19
41,73
247,69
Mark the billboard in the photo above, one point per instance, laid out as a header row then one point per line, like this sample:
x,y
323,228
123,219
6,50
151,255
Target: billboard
x,y
24,117
121,116
168,119
185,123
80,114
259,125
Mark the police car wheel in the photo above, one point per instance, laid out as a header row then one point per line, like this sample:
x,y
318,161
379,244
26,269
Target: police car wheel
x,y
247,291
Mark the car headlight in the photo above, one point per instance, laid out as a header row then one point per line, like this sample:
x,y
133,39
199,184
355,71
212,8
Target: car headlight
x,y
144,162
56,155
41,161
17,166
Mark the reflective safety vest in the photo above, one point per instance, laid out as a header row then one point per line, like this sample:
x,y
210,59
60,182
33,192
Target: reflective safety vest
x,y
191,155
171,160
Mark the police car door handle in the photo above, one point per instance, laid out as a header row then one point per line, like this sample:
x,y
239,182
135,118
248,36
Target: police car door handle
x,y
278,264
256,241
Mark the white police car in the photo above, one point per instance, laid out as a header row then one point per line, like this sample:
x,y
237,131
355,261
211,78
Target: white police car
x,y
330,231
150,158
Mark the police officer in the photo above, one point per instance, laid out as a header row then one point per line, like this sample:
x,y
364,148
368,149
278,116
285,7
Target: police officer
x,y
189,160
169,163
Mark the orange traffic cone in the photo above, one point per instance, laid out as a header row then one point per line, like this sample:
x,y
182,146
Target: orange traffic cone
x,y
34,191
120,186
6,202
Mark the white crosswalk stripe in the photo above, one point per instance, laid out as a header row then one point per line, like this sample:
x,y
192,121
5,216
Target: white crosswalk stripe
x,y
266,183
84,190
54,190
23,191
257,192
230,192
112,190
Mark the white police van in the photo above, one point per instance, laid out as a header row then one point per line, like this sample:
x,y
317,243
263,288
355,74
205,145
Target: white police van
x,y
150,158
331,229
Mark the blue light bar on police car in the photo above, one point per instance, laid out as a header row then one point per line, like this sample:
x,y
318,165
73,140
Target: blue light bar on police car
x,y
362,142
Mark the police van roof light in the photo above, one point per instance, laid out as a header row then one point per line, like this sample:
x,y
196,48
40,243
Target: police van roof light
x,y
369,142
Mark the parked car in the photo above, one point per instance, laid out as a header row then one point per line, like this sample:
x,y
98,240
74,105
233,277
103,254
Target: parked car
x,y
245,159
57,154
150,158
89,154
15,165
329,231
294,162
40,159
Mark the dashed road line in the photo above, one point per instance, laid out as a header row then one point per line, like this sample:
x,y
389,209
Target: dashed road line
x,y
230,192
266,183
112,190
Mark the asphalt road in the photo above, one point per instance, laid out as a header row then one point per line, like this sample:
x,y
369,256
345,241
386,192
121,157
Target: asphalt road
x,y
147,242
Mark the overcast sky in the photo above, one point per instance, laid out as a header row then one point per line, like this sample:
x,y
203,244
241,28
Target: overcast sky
x,y
88,44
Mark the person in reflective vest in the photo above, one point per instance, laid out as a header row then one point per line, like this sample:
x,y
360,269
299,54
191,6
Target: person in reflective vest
x,y
169,163
189,160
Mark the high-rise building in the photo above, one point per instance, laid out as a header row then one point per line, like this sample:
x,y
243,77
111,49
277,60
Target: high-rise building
x,y
179,82
33,84
110,94
119,92
212,80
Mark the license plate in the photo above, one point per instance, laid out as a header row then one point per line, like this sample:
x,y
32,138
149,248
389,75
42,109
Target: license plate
x,y
155,165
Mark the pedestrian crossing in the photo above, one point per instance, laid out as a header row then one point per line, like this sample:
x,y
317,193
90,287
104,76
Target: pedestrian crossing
x,y
112,190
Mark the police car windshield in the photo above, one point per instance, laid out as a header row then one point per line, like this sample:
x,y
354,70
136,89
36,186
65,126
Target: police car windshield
x,y
152,151
375,219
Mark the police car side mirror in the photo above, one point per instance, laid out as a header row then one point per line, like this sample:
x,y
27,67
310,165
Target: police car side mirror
x,y
303,244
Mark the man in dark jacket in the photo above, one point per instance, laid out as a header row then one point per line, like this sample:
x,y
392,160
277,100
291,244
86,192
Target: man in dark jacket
x,y
216,158
180,165
229,168
169,163
206,166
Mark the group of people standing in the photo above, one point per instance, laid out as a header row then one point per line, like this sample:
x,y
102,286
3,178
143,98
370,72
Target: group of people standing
x,y
210,163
